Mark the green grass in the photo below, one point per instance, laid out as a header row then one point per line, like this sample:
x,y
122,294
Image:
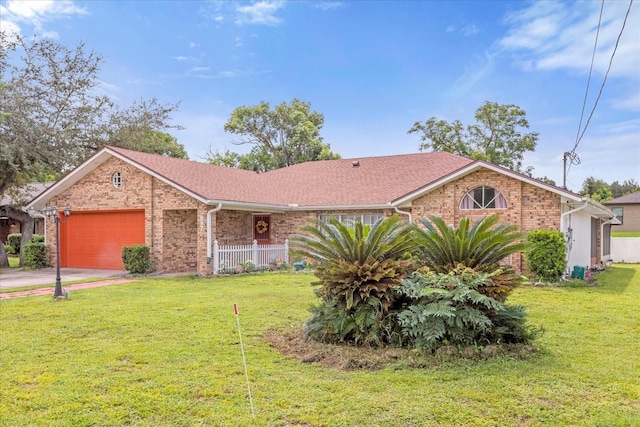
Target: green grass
x,y
165,352
14,261
625,234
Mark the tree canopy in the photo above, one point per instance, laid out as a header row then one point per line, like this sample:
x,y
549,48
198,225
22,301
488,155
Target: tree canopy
x,y
281,136
496,137
54,115
600,191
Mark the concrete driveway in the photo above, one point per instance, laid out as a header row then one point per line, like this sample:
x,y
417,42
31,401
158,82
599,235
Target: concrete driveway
x,y
14,277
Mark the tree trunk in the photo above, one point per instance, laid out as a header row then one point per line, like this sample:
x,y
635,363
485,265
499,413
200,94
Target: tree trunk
x,y
26,229
4,261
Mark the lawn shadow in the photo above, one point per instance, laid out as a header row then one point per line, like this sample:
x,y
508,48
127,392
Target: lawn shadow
x,y
617,279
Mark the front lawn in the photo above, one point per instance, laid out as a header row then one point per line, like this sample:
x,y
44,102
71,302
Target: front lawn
x,y
165,352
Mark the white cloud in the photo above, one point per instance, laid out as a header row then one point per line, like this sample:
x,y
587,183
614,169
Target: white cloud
x,y
469,30
37,12
553,35
451,29
262,12
473,73
198,69
9,28
327,5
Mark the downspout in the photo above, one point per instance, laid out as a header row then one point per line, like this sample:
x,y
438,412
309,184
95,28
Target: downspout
x,y
404,213
216,209
562,220
35,214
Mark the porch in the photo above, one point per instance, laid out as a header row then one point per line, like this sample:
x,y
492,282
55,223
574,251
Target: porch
x,y
256,256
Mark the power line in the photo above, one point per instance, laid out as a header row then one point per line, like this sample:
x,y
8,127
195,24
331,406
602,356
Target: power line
x,y
586,92
624,23
572,155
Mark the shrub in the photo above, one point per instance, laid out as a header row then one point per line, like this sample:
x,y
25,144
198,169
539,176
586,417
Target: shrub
x,y
449,309
137,259
481,247
13,241
546,256
35,255
357,270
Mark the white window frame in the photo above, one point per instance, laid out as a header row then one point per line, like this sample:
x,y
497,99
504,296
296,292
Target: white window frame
x,y
116,179
367,219
483,204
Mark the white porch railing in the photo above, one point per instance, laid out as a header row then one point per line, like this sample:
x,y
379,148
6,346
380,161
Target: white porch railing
x,y
228,257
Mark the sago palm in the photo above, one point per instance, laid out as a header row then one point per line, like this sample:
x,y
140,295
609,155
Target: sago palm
x,y
357,265
481,247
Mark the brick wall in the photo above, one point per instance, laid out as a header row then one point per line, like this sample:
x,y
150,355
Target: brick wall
x,y
528,207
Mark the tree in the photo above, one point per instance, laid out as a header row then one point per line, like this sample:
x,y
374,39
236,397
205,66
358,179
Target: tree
x,y
496,136
627,187
283,136
52,115
596,189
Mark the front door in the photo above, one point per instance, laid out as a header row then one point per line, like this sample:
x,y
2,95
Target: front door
x,y
262,229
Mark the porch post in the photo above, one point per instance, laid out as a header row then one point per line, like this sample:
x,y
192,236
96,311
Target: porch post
x,y
254,254
216,257
286,251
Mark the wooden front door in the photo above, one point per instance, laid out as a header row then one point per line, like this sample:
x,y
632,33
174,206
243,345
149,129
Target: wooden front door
x,y
262,229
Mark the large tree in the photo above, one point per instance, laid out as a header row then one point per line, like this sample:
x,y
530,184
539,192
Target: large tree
x,y
281,136
596,189
54,117
496,137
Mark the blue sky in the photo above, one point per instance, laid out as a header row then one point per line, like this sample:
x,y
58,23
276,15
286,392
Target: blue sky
x,y
372,68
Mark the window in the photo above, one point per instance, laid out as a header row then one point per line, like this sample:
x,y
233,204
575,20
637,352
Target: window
x,y
116,179
351,219
483,198
619,213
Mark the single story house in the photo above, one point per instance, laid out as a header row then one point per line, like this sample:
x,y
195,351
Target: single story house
x,y
11,225
627,209
186,212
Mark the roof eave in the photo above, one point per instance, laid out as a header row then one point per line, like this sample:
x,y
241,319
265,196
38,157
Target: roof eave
x,y
465,170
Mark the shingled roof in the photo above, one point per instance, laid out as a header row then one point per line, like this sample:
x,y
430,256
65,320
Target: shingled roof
x,y
357,183
342,182
627,199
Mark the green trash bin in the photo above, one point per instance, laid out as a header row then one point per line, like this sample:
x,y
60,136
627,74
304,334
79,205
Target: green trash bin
x,y
578,272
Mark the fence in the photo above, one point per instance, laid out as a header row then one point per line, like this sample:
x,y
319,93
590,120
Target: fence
x,y
625,249
228,257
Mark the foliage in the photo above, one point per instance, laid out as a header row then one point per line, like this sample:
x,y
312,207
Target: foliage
x,y
13,244
35,255
449,309
496,136
482,247
546,254
137,259
53,117
596,189
364,325
283,136
627,187
357,271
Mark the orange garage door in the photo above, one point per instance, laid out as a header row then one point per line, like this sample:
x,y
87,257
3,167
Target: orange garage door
x,y
96,239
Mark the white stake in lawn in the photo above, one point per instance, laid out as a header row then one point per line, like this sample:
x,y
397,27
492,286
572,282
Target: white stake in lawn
x,y
244,360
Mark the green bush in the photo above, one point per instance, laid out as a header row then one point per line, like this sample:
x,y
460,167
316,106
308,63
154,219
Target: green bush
x,y
449,309
13,242
137,259
35,255
546,255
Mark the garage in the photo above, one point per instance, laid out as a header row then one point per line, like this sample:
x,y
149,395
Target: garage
x,y
95,239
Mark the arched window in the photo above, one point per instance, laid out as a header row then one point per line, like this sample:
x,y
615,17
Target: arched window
x,y
483,198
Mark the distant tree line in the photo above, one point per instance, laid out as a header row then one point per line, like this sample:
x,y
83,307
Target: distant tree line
x,y
600,191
